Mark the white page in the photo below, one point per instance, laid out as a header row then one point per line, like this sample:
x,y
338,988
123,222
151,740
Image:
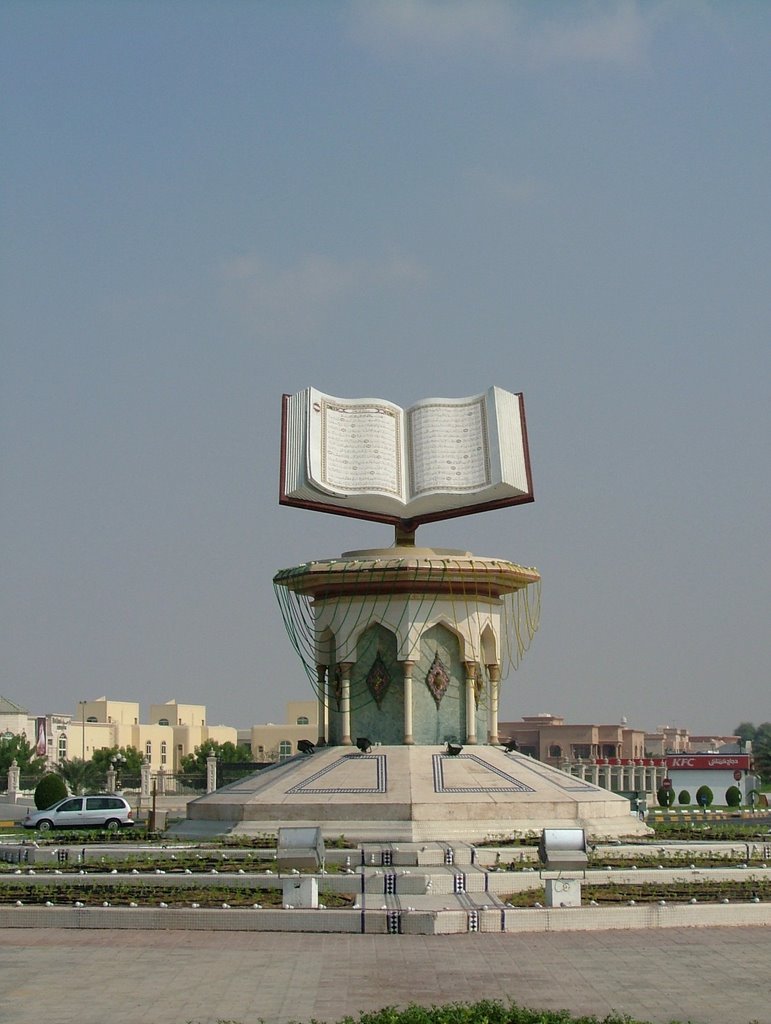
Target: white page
x,y
449,445
355,445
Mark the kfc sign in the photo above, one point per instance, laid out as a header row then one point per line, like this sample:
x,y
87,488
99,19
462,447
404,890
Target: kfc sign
x,y
713,762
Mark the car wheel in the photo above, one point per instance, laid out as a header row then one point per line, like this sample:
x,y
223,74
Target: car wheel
x,y
112,825
45,825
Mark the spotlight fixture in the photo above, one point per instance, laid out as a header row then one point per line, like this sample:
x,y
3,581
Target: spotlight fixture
x,y
305,747
510,746
453,749
364,744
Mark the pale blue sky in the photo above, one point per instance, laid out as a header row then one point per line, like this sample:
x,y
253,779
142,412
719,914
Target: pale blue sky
x,y
208,204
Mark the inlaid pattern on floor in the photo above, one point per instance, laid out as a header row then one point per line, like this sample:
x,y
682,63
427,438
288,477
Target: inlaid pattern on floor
x,y
469,773
351,773
567,783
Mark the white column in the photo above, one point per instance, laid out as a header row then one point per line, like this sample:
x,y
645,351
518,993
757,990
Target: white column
x,y
211,774
345,702
323,713
408,667
471,711
494,671
14,774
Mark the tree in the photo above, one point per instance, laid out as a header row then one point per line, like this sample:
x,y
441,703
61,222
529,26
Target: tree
x,y
19,749
733,796
745,731
80,775
228,752
665,796
50,789
704,796
760,736
132,763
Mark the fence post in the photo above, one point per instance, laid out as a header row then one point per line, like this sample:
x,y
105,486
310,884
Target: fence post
x,y
161,778
112,778
211,773
144,779
14,773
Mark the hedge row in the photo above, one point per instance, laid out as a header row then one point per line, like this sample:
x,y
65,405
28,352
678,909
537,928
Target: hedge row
x,y
488,1011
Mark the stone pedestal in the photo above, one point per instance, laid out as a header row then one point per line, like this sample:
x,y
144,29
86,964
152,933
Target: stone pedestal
x,y
563,892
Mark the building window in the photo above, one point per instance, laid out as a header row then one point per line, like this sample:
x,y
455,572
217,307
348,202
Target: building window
x,y
582,750
149,748
302,720
91,718
163,751
163,721
62,746
284,750
555,750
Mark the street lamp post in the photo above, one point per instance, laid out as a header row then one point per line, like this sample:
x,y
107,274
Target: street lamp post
x,y
83,728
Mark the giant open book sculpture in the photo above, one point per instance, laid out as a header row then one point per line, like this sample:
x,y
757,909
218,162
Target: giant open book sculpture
x,y
370,459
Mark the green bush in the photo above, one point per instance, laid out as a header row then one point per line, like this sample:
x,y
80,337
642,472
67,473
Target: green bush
x,y
733,796
50,789
488,1011
665,797
704,796
683,797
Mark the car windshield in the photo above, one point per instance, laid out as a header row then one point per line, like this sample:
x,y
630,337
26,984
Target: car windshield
x,y
70,805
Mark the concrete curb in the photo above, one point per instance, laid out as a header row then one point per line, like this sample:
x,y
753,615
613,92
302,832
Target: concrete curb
x,y
406,922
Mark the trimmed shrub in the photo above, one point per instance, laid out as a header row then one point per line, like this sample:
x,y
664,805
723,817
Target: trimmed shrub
x,y
704,796
683,797
733,796
50,789
665,797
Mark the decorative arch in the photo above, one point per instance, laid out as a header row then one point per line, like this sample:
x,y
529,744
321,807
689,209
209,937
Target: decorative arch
x,y
488,641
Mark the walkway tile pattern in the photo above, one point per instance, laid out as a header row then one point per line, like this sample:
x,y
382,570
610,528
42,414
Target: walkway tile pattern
x,y
704,976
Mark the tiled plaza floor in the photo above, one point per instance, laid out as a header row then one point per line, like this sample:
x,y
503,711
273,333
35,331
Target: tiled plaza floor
x,y
704,975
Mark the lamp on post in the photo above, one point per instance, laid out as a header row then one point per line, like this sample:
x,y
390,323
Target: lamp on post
x,y
118,761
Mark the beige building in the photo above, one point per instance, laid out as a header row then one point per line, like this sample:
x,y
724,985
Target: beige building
x,y
271,742
174,730
548,738
667,739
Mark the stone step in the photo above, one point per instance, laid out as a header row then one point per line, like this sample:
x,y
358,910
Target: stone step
x,y
416,854
438,880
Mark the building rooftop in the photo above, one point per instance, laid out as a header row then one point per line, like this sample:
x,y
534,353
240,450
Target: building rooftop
x,y
7,707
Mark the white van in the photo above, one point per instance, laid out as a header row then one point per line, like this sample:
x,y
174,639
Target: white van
x,y
103,810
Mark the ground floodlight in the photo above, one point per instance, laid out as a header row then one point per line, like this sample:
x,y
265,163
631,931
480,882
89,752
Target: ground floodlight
x,y
364,744
305,746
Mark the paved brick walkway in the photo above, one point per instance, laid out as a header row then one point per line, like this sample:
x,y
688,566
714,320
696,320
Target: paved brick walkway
x,y
705,976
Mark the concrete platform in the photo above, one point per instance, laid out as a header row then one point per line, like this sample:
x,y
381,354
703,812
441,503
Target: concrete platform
x,y
411,794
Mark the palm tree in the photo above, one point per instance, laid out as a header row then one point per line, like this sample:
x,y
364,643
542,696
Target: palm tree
x,y
80,775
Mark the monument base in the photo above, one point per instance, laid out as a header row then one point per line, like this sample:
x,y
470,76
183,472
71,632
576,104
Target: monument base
x,y
411,794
